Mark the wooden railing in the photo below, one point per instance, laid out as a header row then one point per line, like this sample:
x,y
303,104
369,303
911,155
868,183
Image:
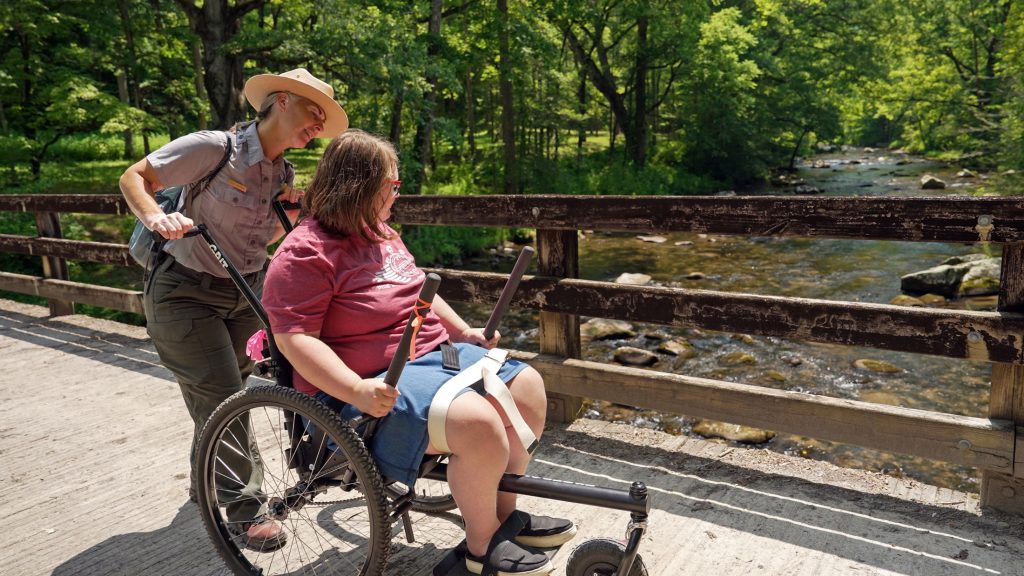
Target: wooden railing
x,y
994,445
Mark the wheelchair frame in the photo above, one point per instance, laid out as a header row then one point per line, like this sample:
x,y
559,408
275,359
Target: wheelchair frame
x,y
594,560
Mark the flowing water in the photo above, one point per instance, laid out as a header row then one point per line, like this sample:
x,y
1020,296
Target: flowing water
x,y
861,271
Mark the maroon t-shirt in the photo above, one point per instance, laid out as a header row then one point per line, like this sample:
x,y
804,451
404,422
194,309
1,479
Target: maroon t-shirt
x,y
357,294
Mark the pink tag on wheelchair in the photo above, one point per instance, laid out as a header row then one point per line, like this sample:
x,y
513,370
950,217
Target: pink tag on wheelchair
x,y
254,346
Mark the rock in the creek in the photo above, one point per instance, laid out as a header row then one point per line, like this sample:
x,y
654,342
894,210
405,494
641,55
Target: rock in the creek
x,y
881,397
983,286
684,243
876,366
677,347
982,279
604,329
932,299
634,356
695,276
736,359
945,279
792,360
734,432
775,375
633,279
973,257
904,300
929,182
653,239
965,173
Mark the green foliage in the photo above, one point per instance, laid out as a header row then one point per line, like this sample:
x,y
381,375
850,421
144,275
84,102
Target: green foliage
x,y
721,136
446,245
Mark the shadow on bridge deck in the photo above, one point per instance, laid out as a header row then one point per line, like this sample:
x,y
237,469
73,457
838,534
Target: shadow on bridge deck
x,y
94,438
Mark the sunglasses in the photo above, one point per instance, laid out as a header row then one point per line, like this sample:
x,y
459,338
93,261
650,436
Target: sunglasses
x,y
396,185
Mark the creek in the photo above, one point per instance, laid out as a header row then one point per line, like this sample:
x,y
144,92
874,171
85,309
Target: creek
x,y
860,271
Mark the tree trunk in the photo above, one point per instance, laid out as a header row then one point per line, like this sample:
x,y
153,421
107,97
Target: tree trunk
x,y
423,142
581,99
122,93
126,76
216,23
636,131
508,121
197,76
796,150
395,134
470,117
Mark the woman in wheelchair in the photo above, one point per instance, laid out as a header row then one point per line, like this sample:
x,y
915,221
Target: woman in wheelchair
x,y
338,294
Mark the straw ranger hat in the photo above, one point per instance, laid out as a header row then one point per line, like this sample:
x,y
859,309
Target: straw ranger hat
x,y
302,83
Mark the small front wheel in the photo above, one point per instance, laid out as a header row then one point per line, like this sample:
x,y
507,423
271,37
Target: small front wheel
x,y
601,557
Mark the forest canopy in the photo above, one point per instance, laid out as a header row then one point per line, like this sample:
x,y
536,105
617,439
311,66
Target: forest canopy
x,y
543,96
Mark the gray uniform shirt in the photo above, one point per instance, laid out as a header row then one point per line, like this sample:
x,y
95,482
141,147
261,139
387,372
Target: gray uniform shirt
x,y
235,207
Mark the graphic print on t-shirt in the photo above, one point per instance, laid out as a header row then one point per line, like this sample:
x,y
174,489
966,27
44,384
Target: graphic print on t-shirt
x,y
398,268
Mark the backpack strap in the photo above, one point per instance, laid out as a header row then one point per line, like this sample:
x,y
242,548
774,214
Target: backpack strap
x,y
200,186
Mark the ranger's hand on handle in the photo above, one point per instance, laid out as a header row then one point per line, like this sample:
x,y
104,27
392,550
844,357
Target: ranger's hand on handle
x,y
169,226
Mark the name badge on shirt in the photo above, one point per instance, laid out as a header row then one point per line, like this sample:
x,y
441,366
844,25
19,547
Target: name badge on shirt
x,y
237,185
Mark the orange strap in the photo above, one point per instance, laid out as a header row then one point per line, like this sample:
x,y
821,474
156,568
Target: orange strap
x,y
420,311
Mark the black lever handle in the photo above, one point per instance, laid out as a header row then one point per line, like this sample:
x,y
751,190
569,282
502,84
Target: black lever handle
x,y
426,298
506,293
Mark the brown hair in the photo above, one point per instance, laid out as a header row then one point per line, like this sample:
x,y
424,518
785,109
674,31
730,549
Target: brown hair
x,y
345,193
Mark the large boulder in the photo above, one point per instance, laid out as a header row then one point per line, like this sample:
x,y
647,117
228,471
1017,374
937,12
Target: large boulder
x,y
946,279
982,279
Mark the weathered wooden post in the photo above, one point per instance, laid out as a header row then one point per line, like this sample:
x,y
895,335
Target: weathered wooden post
x,y
48,225
1005,492
560,333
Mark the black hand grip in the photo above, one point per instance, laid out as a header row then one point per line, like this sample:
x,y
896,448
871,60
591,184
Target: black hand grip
x,y
506,293
193,231
426,297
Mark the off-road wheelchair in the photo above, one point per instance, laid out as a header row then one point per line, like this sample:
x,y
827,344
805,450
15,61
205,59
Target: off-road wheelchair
x,y
292,456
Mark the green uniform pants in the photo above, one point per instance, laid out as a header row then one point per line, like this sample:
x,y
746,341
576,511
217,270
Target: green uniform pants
x,y
199,324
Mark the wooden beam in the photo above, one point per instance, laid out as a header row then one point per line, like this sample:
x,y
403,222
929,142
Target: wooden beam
x,y
559,333
920,219
989,336
48,225
84,203
1005,491
114,298
104,252
978,442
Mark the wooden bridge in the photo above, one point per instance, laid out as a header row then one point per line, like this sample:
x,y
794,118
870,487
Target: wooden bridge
x,y
81,399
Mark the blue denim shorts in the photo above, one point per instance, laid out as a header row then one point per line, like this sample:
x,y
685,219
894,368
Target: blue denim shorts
x,y
400,440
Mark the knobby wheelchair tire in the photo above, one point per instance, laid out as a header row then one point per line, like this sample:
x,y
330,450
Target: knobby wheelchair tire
x,y
310,473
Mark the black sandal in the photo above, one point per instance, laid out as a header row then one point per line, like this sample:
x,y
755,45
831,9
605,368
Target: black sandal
x,y
504,557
